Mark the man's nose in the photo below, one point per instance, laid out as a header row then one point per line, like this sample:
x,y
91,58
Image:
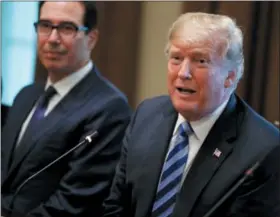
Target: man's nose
x,y
54,36
185,70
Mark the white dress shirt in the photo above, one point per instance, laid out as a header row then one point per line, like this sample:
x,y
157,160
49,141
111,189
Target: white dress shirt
x,y
200,129
62,87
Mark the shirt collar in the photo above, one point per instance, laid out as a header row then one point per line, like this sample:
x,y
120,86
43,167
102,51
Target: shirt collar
x,y
66,84
202,127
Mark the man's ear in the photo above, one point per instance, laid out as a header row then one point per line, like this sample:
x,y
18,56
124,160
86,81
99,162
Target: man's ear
x,y
92,38
230,79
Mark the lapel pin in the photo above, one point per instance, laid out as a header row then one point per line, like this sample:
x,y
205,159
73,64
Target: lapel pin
x,y
217,153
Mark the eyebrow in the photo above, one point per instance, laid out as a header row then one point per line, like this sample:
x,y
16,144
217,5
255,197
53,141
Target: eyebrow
x,y
194,52
44,20
62,22
204,52
175,53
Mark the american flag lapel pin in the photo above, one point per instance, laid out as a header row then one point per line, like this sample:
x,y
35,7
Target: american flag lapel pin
x,y
217,153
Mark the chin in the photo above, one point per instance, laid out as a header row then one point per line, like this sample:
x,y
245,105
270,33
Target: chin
x,y
183,106
53,66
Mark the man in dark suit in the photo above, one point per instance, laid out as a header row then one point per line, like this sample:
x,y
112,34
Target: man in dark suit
x,y
4,109
4,113
183,152
41,128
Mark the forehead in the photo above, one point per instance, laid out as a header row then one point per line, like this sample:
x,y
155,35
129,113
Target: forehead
x,y
186,48
62,11
197,41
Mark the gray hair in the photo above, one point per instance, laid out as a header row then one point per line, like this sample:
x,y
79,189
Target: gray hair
x,y
228,33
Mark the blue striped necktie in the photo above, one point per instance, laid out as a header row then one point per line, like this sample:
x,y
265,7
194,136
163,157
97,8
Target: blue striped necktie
x,y
172,173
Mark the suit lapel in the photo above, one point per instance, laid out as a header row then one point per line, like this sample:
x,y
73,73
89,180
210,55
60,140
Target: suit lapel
x,y
207,161
69,104
18,119
158,143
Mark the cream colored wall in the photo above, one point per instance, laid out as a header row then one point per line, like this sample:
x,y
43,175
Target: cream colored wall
x,y
157,18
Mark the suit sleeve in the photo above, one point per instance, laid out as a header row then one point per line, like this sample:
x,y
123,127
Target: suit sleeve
x,y
115,205
118,203
86,184
260,196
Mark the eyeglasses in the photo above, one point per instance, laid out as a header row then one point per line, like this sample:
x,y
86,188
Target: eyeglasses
x,y
64,29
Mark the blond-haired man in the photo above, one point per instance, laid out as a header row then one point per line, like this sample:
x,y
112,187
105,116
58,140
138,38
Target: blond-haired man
x,y
183,152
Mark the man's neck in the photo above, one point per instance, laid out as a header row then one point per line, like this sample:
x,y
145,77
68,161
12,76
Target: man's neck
x,y
56,76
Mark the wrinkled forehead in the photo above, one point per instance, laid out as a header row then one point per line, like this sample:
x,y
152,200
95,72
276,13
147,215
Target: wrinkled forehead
x,y
193,36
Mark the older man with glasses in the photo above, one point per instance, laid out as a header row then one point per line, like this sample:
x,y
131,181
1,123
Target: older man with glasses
x,y
46,121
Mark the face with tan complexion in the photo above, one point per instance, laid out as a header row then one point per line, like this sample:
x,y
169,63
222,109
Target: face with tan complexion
x,y
198,79
60,54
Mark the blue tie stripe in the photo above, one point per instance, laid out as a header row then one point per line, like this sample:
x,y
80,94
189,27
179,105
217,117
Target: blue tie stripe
x,y
172,167
167,205
176,156
168,187
167,212
172,173
165,198
179,145
172,176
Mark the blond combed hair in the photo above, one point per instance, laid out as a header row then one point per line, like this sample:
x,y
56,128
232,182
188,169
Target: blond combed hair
x,y
219,29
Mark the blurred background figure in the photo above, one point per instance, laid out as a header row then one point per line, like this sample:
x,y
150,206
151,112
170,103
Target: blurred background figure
x,y
49,118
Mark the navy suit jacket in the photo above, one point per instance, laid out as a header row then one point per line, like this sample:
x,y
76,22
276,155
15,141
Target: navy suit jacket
x,y
77,185
243,138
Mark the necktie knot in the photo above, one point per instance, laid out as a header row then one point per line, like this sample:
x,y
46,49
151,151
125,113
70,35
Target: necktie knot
x,y
184,129
47,95
42,104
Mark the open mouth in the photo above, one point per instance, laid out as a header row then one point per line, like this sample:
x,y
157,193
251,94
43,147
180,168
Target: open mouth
x,y
185,90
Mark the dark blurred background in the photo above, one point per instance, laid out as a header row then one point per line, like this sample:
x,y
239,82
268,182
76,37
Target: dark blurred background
x,y
130,48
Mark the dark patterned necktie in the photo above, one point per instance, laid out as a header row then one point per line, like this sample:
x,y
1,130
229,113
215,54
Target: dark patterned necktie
x,y
39,113
41,108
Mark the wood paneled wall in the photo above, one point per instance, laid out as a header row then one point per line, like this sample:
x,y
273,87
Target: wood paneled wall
x,y
116,54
